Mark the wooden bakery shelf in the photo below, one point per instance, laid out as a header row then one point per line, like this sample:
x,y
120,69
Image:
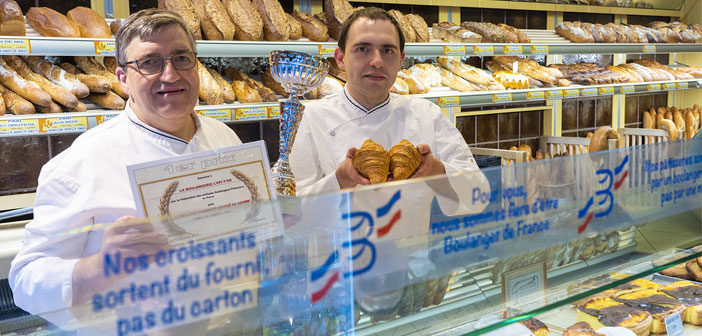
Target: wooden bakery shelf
x,y
78,122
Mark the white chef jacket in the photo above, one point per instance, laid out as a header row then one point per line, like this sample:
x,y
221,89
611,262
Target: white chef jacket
x,y
85,185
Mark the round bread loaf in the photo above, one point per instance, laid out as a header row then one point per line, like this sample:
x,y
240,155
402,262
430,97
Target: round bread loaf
x,y
90,23
49,22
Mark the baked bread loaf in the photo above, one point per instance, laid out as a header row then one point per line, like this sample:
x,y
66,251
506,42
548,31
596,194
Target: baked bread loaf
x,y
269,81
11,19
312,28
57,93
521,37
210,91
648,121
108,100
186,10
428,73
669,126
245,93
114,25
490,32
215,22
606,312
58,76
574,32
228,94
466,71
421,30
400,86
336,12
49,22
13,81
90,23
91,66
414,83
275,21
248,23
404,160
52,108
456,82
601,137
407,29
15,103
294,27
372,161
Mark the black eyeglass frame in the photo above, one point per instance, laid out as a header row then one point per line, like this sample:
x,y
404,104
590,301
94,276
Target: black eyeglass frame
x,y
163,62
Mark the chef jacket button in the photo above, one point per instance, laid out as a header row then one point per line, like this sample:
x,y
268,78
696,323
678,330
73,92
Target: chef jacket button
x,y
332,133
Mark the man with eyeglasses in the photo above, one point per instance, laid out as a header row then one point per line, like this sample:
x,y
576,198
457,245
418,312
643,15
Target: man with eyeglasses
x,y
84,205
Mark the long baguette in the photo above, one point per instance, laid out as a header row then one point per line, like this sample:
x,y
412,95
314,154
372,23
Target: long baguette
x,y
52,108
58,76
108,100
70,68
13,81
57,93
15,103
227,91
91,66
79,108
95,83
110,64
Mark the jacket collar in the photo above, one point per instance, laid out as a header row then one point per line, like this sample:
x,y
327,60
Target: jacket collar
x,y
358,107
156,133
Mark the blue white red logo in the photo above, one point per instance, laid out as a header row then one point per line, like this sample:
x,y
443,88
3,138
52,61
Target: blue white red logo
x,y
606,193
361,222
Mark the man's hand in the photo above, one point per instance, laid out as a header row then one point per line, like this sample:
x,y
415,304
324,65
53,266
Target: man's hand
x,y
347,175
430,164
131,237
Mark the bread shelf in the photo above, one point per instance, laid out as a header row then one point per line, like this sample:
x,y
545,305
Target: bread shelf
x,y
78,122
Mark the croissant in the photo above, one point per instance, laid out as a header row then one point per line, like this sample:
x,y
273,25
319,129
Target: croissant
x,y
404,160
372,161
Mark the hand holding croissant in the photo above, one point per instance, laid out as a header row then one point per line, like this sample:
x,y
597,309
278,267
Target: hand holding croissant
x,y
404,160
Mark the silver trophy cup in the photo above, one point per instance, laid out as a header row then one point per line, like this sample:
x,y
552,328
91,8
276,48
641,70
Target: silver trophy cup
x,y
298,73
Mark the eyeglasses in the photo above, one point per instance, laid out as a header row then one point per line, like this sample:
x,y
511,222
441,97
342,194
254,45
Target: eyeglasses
x,y
151,65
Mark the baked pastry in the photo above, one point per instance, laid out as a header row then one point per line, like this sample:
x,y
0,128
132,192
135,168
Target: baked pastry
x,y
420,27
414,83
248,23
404,160
400,86
658,304
49,22
90,23
275,22
372,161
312,28
536,327
186,10
606,312
11,19
511,80
580,329
690,295
693,267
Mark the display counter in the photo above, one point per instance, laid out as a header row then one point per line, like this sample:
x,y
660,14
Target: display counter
x,y
458,254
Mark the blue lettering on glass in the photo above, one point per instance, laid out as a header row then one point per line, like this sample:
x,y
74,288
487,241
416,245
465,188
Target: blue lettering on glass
x,y
608,180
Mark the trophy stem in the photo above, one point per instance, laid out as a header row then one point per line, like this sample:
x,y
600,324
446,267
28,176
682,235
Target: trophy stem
x,y
290,116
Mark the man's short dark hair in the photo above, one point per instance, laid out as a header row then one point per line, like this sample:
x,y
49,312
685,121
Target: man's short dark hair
x,y
372,13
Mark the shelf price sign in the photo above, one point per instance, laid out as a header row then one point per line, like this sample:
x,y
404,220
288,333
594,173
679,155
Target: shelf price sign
x,y
682,85
104,48
654,87
454,50
674,325
628,89
19,127
99,119
606,91
326,50
511,50
554,94
15,47
452,101
221,114
251,113
273,112
588,92
483,50
648,49
571,93
63,124
669,86
538,95
539,50
501,98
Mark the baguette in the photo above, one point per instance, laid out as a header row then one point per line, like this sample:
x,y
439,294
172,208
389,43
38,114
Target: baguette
x,y
110,64
312,28
109,100
228,94
2,105
58,76
95,83
49,22
648,121
456,82
15,103
679,120
70,68
79,108
574,32
57,93
90,23
400,86
52,108
186,10
11,20
275,22
247,21
245,93
13,81
91,66
414,83
210,92
294,27
466,71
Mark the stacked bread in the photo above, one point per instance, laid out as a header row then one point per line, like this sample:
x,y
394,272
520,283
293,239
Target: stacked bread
x,y
610,3
539,76
453,33
78,22
673,121
583,32
500,33
478,78
413,26
589,74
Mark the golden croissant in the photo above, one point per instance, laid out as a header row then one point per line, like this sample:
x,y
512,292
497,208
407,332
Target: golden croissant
x,y
404,160
372,161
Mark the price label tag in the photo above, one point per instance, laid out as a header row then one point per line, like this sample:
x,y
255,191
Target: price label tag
x,y
538,95
326,50
251,113
513,50
454,50
682,85
674,325
571,93
221,115
628,89
588,92
104,48
555,94
606,91
273,112
539,50
63,124
449,101
669,86
654,87
502,97
15,47
19,127
648,49
105,117
483,50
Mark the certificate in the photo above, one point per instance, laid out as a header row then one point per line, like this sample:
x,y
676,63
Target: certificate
x,y
231,185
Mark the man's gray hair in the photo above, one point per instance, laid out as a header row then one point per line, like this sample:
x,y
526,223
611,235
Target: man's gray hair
x,y
143,24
